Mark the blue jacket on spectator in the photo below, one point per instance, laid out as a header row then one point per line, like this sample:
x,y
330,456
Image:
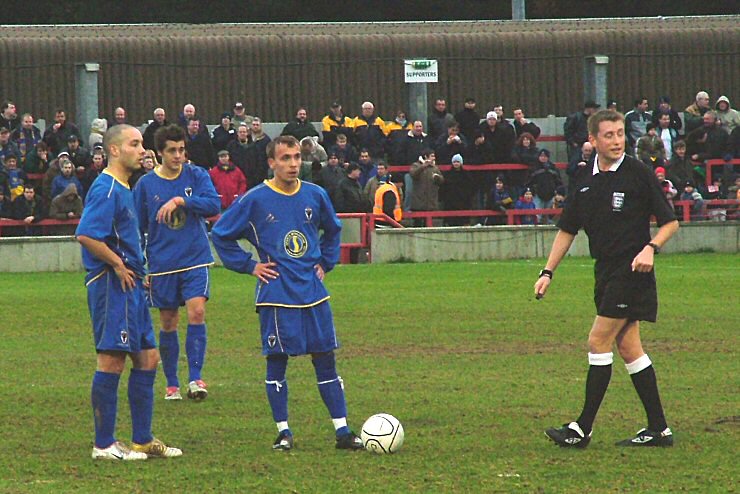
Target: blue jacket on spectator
x,y
61,182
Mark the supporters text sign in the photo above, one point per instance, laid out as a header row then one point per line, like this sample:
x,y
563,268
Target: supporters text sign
x,y
420,71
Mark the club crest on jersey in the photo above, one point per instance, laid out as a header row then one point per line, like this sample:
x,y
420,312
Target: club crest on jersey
x,y
188,191
295,243
177,219
309,214
124,336
617,201
271,339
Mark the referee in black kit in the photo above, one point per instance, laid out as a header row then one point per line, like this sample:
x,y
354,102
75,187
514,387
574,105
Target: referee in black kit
x,y
613,203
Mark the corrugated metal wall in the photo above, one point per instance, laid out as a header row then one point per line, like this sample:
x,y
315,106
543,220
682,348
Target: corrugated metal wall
x,y
275,68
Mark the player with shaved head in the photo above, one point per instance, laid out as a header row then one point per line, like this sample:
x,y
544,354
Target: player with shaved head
x,y
111,253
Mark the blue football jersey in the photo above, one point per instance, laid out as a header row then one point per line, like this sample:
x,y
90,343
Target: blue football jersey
x,y
181,243
285,229
110,217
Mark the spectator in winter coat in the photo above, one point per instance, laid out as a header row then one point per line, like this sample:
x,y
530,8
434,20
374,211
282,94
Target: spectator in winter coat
x,y
496,142
526,201
28,207
450,144
415,141
457,191
7,146
160,120
344,150
499,200
525,152
728,118
667,134
334,123
397,131
228,180
439,119
575,129
98,128
369,130
198,146
664,106
691,194
650,148
635,122
62,180
543,183
56,136
96,168
331,176
522,125
67,205
679,168
300,127
708,141
695,111
469,120
368,167
312,151
37,160
80,156
16,177
223,134
350,196
668,188
427,179
26,136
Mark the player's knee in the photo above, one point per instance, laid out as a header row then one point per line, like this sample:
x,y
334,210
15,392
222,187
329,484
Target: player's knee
x,y
325,365
169,319
197,314
276,367
629,351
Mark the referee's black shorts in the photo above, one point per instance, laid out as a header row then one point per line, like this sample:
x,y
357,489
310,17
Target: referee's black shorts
x,y
621,293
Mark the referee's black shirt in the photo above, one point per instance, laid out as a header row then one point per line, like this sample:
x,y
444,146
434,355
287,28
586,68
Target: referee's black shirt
x,y
614,208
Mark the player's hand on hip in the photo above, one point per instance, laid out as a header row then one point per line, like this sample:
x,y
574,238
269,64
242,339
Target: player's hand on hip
x,y
540,287
643,262
264,271
319,272
127,277
165,212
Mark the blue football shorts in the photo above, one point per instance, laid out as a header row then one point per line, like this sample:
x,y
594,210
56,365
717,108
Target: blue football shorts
x,y
120,320
170,291
297,331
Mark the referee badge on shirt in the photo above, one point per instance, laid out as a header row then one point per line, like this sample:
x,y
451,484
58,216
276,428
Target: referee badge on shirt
x,y
617,201
188,191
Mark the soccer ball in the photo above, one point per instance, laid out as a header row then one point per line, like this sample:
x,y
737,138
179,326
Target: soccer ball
x,y
382,433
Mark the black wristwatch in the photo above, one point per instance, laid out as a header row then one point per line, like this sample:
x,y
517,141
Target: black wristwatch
x,y
545,272
655,247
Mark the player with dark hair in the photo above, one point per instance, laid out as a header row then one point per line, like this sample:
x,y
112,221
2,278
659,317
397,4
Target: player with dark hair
x,y
613,202
111,254
172,204
282,218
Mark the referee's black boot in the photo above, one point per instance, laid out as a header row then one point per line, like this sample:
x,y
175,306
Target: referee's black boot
x,y
569,436
646,437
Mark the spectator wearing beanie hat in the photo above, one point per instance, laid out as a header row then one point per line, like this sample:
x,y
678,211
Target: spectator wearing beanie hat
x,y
650,148
457,191
668,188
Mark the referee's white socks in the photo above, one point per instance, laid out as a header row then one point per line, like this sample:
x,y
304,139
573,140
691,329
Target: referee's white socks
x,y
638,365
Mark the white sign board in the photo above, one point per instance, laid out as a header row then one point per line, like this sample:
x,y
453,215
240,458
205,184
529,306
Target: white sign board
x,y
420,70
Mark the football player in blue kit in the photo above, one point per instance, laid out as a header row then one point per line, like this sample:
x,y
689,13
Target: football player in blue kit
x,y
111,253
172,203
282,218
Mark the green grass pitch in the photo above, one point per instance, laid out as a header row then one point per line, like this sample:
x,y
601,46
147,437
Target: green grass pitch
x,y
461,353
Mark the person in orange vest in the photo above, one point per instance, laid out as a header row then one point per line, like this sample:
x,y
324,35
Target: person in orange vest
x,y
387,199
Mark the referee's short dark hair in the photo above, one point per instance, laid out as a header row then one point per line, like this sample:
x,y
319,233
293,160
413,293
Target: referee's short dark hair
x,y
170,132
286,140
603,116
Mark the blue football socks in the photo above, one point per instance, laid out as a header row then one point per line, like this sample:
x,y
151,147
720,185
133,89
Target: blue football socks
x,y
195,347
330,386
104,397
141,402
277,387
169,353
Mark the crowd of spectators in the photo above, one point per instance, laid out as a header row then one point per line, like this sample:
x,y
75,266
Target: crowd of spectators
x,y
351,157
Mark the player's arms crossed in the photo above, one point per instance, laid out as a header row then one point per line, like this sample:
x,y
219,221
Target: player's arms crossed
x,y
104,253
